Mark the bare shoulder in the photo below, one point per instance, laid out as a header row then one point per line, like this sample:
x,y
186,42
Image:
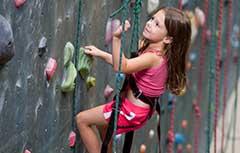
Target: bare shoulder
x,y
154,58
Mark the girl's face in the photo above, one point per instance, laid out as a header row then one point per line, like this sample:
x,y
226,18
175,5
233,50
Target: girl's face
x,y
155,29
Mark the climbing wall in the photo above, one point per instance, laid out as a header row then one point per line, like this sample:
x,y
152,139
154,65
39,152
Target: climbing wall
x,y
36,116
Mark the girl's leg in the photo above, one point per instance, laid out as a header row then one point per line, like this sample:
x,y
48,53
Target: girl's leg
x,y
103,131
85,120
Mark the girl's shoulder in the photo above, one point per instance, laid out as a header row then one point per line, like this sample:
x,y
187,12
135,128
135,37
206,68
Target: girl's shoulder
x,y
155,51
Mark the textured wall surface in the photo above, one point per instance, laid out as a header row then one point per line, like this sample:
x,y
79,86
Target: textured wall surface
x,y
34,113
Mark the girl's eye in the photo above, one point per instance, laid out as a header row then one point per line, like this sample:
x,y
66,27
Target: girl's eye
x,y
152,18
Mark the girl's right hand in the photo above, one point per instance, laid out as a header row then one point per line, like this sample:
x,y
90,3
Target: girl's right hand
x,y
119,30
92,50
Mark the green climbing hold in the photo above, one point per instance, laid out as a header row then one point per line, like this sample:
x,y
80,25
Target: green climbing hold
x,y
69,76
91,82
68,53
84,63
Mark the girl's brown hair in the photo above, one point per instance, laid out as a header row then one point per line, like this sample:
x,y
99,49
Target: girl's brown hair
x,y
179,28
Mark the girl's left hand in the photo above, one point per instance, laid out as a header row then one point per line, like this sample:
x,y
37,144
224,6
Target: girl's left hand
x,y
119,30
92,50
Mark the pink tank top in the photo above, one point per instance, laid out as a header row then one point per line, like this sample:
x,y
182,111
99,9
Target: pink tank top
x,y
152,81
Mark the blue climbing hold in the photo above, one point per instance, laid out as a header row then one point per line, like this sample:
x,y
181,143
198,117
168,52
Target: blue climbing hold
x,y
179,138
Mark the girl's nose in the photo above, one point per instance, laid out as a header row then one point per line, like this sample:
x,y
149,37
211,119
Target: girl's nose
x,y
149,23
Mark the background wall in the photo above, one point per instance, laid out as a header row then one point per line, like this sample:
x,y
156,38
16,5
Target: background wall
x,y
36,115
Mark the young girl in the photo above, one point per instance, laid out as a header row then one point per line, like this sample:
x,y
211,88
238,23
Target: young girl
x,y
160,65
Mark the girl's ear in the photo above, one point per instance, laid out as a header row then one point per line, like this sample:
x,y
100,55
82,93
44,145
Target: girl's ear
x,y
167,39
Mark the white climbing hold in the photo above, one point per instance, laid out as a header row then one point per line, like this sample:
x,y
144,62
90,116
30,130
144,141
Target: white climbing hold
x,y
152,5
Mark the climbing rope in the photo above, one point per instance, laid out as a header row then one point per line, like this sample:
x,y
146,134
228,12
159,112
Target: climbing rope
x,y
217,71
200,78
77,44
211,73
136,24
226,67
170,146
119,78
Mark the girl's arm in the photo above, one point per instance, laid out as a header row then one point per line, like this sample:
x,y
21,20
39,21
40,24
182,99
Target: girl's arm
x,y
132,65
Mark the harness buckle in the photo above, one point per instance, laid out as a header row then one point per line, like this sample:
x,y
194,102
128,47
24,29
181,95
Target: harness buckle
x,y
139,94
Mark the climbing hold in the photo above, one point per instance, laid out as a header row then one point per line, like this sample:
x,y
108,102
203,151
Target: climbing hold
x,y
6,41
19,3
235,57
200,16
108,91
184,2
170,136
42,46
111,27
196,109
188,65
50,68
192,56
143,148
151,133
208,34
72,139
69,76
68,53
179,148
184,124
118,137
235,36
91,82
152,5
27,151
194,25
189,148
170,105
179,138
84,63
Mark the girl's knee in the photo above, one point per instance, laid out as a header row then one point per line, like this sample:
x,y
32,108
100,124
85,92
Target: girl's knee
x,y
80,119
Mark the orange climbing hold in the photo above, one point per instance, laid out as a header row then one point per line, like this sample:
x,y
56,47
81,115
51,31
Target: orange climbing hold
x,y
50,68
72,139
143,148
184,124
19,3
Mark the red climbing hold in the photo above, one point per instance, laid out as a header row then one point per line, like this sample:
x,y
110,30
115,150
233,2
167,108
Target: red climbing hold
x,y
72,139
50,68
27,151
170,136
19,3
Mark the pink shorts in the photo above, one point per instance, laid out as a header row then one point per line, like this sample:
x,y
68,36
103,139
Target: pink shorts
x,y
131,116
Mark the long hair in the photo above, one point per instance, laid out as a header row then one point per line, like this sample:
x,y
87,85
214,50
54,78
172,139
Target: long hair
x,y
179,28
